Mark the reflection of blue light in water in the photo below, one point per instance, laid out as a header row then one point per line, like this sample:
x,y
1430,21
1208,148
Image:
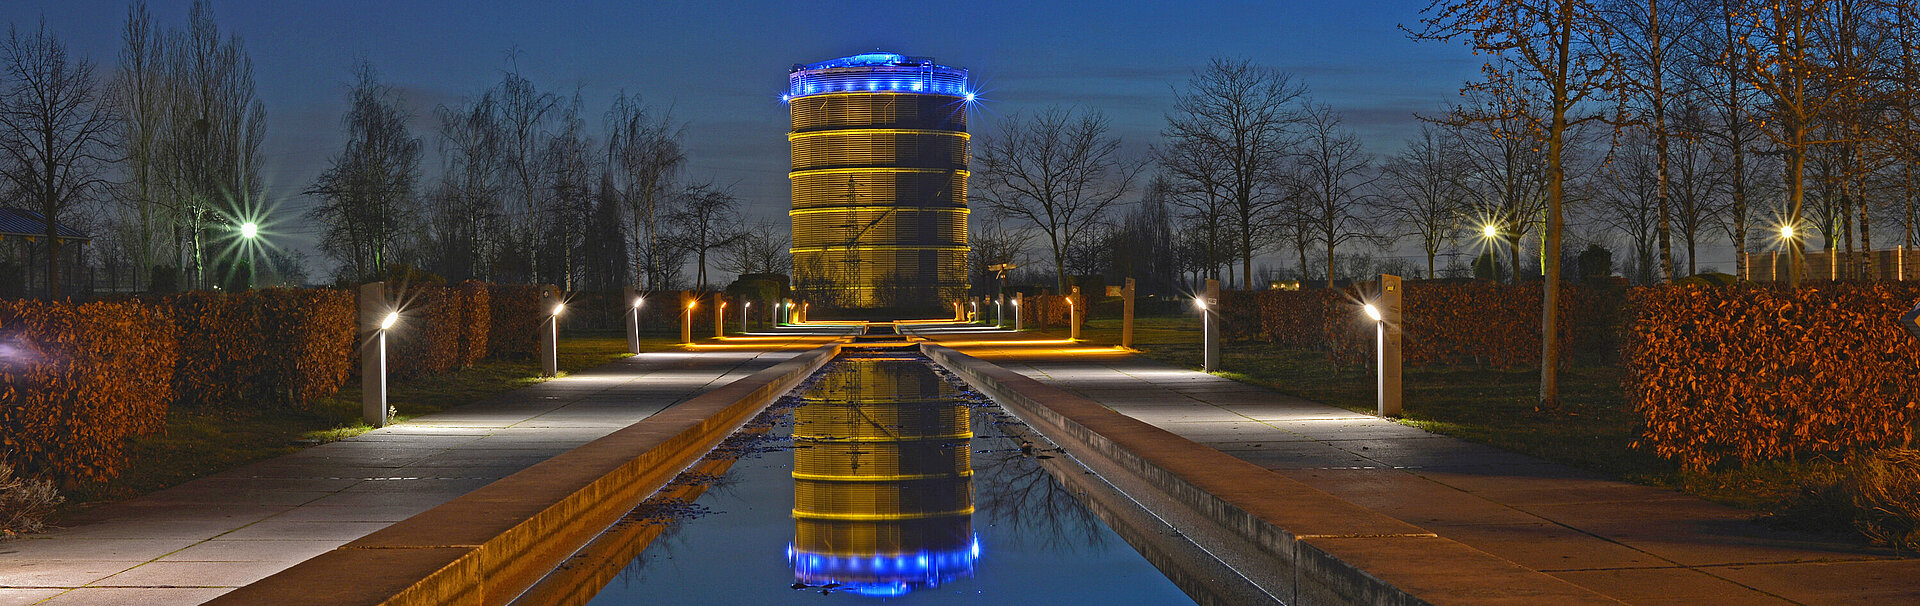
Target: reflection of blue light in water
x,y
883,576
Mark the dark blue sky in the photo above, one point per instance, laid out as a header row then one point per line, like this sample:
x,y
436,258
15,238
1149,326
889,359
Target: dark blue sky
x,y
720,66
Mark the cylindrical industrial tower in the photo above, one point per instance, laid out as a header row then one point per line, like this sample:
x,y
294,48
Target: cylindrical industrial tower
x,y
879,180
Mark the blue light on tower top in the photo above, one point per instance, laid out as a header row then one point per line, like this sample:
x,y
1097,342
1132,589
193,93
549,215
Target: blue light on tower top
x,y
877,73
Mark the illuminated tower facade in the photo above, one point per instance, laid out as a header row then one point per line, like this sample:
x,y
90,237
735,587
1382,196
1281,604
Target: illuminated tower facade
x,y
879,179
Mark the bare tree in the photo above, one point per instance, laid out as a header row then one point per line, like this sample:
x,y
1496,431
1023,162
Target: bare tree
x,y
644,154
1781,66
1056,171
761,249
465,224
1424,194
1646,46
212,149
142,92
54,131
706,219
1504,168
1561,47
366,193
1334,170
1242,118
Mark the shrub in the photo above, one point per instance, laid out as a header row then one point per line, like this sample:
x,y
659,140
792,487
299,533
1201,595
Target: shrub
x,y
429,341
275,347
310,336
78,380
1875,493
476,319
24,504
513,316
1749,373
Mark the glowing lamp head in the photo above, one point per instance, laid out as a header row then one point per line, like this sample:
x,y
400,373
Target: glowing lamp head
x,y
1786,232
249,230
392,318
1200,303
1372,312
690,305
1489,231
559,307
638,302
969,96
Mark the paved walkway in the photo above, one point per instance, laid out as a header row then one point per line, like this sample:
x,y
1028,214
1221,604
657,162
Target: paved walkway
x,y
1638,544
189,543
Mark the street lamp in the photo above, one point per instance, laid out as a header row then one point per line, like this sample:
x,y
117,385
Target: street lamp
x,y
633,323
744,308
249,230
686,322
550,335
1208,359
1385,311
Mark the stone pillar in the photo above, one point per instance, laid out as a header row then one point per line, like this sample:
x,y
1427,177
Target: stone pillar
x,y
549,352
374,308
1126,315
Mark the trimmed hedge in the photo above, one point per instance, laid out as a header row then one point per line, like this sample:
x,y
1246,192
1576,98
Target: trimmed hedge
x,y
1749,373
1446,324
78,380
476,321
513,318
429,342
274,347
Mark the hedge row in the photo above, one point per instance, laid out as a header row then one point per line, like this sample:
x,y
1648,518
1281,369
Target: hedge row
x,y
1041,311
1445,324
1750,373
78,380
447,327
274,347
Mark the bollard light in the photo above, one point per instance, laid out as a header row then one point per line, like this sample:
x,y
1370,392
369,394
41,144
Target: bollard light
x,y
633,323
638,302
549,352
559,307
388,322
1385,311
745,307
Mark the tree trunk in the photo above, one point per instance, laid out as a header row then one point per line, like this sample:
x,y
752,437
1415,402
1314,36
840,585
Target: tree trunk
x,y
1660,141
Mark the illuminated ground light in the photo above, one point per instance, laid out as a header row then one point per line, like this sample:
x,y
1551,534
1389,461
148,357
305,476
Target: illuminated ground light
x,y
884,575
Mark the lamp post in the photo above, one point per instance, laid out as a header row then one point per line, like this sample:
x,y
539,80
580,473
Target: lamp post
x,y
1385,312
1126,315
1000,311
550,331
633,320
686,322
719,317
745,308
976,310
1018,320
1074,314
1209,328
376,318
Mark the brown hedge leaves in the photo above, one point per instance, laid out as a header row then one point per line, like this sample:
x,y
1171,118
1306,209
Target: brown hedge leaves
x,y
1748,373
78,380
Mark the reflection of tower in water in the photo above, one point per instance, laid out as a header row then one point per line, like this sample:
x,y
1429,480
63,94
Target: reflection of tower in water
x,y
882,480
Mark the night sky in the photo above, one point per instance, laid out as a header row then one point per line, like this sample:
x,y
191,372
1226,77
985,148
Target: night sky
x,y
721,66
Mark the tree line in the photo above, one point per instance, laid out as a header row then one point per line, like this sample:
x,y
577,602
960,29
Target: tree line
x,y
1655,128
159,158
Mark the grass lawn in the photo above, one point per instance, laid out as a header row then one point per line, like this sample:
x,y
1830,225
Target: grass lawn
x,y
200,442
1593,429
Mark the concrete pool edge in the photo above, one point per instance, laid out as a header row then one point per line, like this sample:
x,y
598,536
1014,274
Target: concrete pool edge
x,y
1336,552
489,545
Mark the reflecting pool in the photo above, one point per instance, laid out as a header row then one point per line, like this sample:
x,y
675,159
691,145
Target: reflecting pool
x,y
881,479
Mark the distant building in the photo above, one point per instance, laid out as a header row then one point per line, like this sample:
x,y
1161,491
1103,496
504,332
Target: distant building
x,y
23,255
879,179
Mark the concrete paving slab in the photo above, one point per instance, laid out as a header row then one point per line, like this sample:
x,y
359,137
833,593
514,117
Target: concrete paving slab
x,y
1638,544
22,597
248,523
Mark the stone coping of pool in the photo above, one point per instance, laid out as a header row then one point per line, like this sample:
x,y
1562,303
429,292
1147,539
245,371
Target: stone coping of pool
x,y
1337,552
486,547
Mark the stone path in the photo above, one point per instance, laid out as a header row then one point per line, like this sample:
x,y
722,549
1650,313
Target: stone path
x,y
189,543
1637,544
